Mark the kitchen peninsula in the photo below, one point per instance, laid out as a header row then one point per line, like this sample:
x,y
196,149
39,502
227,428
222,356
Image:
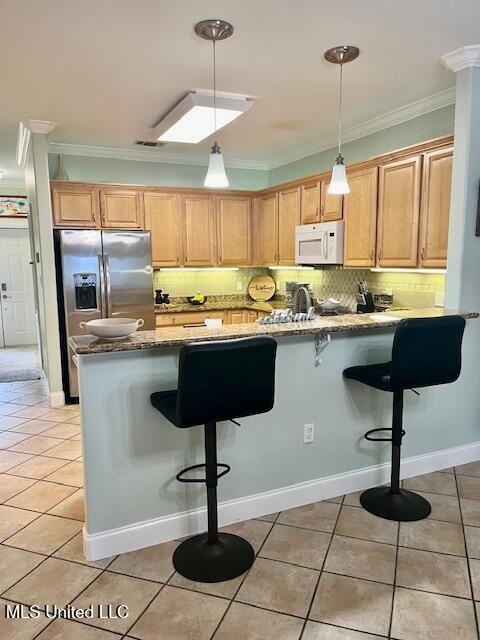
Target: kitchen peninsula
x,y
132,454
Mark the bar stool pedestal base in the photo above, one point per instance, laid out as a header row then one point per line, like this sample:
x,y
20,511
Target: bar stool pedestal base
x,y
405,506
200,561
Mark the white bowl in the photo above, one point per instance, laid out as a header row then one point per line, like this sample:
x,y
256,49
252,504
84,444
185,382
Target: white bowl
x,y
112,328
330,304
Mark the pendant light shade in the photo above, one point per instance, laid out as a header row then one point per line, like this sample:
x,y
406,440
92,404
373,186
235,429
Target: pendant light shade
x,y
340,55
215,30
338,183
216,176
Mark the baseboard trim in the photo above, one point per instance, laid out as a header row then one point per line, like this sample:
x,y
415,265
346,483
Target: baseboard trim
x,y
144,534
56,399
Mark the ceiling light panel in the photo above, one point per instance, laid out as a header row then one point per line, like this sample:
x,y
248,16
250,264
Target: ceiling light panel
x,y
192,119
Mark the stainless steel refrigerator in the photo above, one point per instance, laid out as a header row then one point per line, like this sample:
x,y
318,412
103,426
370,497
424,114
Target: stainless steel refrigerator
x,y
100,274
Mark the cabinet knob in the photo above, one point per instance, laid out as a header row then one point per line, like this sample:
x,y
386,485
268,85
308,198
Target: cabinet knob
x,y
372,255
422,253
379,254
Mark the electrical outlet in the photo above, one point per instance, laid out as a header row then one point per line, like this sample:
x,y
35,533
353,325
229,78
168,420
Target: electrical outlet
x,y
439,299
239,285
308,433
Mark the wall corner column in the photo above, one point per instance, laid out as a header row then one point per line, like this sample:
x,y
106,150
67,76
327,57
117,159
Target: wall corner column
x,y
462,289
32,154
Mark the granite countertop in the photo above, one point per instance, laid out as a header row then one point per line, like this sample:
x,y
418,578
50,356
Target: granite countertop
x,y
219,303
166,337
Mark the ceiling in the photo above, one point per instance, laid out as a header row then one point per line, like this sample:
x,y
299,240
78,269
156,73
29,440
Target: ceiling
x,y
106,71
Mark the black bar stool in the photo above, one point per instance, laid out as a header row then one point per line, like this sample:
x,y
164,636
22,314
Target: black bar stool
x,y
426,352
217,381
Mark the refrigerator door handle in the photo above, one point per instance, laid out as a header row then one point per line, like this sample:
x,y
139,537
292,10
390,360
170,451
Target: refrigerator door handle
x,y
108,284
101,272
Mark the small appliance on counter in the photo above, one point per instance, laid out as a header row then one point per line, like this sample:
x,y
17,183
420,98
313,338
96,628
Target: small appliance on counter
x,y
298,297
364,299
161,298
382,301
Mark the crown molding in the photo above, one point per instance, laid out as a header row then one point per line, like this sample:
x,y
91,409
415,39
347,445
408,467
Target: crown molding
x,y
40,126
462,58
13,183
379,123
150,155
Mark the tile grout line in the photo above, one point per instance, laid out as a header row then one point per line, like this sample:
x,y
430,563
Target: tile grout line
x,y
232,599
467,558
322,568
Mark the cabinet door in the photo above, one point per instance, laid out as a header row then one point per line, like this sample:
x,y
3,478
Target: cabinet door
x,y
398,213
251,316
121,209
331,206
163,220
75,206
435,208
360,213
236,316
288,219
198,231
268,230
310,203
234,230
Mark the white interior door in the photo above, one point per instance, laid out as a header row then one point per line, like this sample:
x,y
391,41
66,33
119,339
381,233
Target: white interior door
x,y
16,288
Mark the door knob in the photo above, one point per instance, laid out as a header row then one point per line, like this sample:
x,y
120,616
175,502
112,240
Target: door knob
x,y
4,296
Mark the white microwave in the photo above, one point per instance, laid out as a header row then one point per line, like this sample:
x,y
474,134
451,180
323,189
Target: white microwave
x,y
319,243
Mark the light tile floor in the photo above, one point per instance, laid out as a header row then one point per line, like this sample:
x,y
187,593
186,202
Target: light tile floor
x,y
326,571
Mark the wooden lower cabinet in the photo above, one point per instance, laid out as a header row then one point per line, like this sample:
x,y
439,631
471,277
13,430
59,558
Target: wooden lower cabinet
x,y
435,208
234,230
236,316
163,220
398,212
230,316
198,230
360,214
75,206
121,209
331,206
288,219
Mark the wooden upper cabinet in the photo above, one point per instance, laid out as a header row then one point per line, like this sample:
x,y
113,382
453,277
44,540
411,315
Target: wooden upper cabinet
x,y
163,220
198,230
398,212
75,206
268,230
435,208
310,203
121,209
234,230
331,206
288,219
360,214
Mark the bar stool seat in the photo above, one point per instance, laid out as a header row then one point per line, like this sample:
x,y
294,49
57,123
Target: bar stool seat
x,y
378,375
217,381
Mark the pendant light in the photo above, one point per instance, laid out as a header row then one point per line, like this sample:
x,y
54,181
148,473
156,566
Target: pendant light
x,y
215,30
340,55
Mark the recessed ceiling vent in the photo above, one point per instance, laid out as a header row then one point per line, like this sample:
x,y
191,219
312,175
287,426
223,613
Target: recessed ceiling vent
x,y
149,143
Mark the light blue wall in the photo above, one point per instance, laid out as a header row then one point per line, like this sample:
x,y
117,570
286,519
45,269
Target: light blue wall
x,y
432,125
89,169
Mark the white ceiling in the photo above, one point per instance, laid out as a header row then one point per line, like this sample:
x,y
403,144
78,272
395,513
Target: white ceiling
x,y
106,71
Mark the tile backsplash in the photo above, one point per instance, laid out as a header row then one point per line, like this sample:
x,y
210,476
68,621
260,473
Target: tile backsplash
x,y
415,290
